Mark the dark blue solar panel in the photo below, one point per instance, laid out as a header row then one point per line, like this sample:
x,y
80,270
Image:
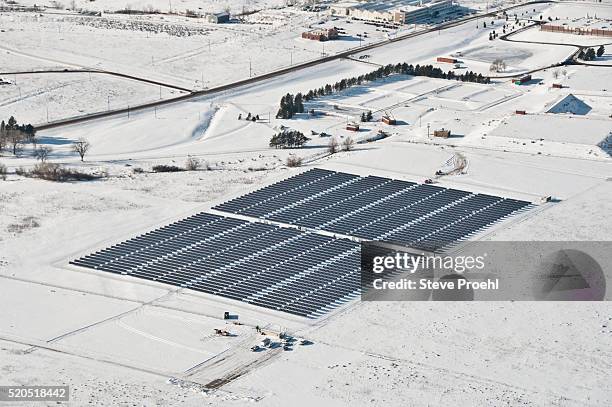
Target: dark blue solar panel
x,y
251,262
375,208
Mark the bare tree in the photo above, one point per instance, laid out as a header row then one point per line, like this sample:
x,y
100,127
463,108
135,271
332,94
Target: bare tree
x,y
332,147
348,143
42,153
498,65
3,172
192,163
555,74
81,147
15,138
294,161
3,141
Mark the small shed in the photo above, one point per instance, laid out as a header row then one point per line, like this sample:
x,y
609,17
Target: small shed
x,y
442,133
447,60
521,80
389,120
218,18
352,127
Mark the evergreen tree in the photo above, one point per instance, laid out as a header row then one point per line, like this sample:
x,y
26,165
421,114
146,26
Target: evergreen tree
x,y
298,104
590,54
12,124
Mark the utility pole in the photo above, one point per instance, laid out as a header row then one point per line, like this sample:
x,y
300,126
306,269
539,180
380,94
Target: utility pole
x,y
427,130
108,103
250,68
160,95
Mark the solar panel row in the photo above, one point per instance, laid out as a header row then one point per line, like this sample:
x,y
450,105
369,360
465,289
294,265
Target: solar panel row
x,y
285,269
375,208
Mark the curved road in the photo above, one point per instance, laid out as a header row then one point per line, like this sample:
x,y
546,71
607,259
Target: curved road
x,y
97,71
572,59
248,81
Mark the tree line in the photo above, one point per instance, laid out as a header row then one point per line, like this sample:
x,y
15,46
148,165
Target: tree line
x,y
290,104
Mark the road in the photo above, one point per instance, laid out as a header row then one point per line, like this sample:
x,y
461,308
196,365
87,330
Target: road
x,y
273,74
99,72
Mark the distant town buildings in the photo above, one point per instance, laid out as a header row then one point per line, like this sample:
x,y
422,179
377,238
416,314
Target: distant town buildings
x,y
394,12
324,34
218,18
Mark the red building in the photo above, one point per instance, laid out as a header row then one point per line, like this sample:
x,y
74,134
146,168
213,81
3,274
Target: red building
x,y
321,35
447,60
352,127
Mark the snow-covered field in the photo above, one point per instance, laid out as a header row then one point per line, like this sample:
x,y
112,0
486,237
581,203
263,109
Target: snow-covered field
x,y
117,340
39,98
157,47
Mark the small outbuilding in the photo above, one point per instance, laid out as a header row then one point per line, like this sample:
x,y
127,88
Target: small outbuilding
x,y
218,18
389,120
521,80
442,133
447,60
352,126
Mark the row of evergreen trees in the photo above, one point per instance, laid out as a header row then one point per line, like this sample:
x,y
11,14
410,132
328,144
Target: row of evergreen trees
x,y
290,105
590,53
15,135
12,125
288,139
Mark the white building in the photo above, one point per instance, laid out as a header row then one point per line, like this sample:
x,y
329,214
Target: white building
x,y
393,11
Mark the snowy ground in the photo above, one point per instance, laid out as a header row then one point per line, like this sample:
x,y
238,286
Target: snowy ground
x,y
118,340
151,47
39,98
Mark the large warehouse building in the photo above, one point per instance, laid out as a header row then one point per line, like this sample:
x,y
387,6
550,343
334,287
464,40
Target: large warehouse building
x,y
394,12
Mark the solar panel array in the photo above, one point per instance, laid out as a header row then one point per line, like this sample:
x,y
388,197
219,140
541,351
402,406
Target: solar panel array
x,y
375,208
281,268
300,270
